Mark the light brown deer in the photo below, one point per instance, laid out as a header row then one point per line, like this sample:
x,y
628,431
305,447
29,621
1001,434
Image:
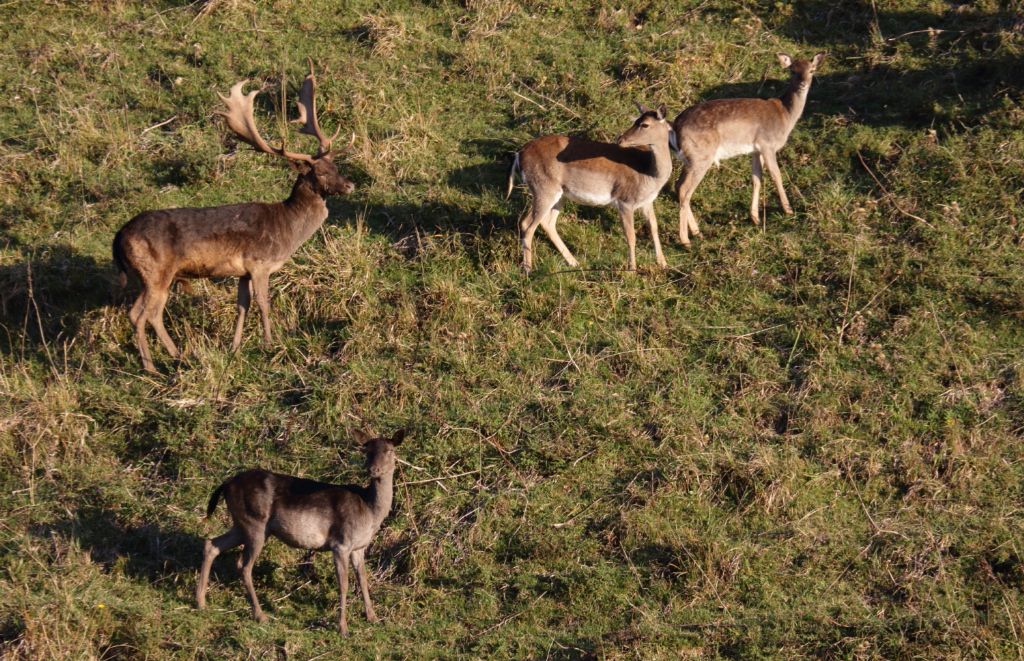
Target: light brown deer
x,y
628,175
248,241
307,515
713,131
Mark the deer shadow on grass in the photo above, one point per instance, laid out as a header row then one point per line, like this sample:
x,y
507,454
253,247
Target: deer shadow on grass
x,y
45,295
410,226
147,552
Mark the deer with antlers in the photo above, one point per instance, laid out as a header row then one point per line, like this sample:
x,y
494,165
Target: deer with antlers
x,y
248,241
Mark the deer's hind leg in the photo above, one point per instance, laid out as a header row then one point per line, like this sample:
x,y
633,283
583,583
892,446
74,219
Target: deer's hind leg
x,y
211,549
244,297
139,319
155,311
253,546
543,203
551,229
261,288
137,307
692,176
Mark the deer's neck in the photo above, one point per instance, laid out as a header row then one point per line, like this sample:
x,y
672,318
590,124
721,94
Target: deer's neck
x,y
655,163
794,100
662,161
381,494
306,210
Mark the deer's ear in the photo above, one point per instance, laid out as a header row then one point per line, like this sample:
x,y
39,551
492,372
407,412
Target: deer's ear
x,y
301,167
398,437
785,60
640,107
361,437
817,59
662,111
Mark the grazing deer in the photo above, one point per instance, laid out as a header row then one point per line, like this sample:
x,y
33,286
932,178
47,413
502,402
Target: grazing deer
x,y
307,515
713,131
628,175
248,241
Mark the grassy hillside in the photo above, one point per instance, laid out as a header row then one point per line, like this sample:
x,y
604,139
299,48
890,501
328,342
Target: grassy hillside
x,y
802,440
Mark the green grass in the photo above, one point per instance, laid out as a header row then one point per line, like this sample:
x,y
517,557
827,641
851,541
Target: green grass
x,y
802,440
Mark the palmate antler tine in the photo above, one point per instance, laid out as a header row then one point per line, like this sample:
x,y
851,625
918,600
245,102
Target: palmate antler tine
x,y
307,112
241,121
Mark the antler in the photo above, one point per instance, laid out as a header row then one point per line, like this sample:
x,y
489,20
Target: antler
x,y
240,119
307,113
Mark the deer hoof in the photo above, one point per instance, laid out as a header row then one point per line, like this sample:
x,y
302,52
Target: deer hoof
x,y
788,211
371,617
262,618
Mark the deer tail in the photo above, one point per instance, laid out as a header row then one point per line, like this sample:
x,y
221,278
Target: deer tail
x,y
214,497
512,175
119,259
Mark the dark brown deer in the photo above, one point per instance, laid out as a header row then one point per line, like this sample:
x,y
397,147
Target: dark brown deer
x,y
248,241
715,130
628,175
308,515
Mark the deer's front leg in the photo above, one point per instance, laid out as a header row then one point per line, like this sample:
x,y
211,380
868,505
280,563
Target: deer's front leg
x,y
755,198
626,214
359,563
773,170
652,221
341,569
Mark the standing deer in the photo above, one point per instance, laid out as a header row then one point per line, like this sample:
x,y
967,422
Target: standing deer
x,y
308,515
628,175
248,241
713,131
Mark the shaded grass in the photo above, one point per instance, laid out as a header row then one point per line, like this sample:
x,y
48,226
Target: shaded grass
x,y
800,441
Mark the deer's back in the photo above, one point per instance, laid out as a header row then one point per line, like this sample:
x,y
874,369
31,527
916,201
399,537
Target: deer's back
x,y
587,171
204,242
731,126
302,513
